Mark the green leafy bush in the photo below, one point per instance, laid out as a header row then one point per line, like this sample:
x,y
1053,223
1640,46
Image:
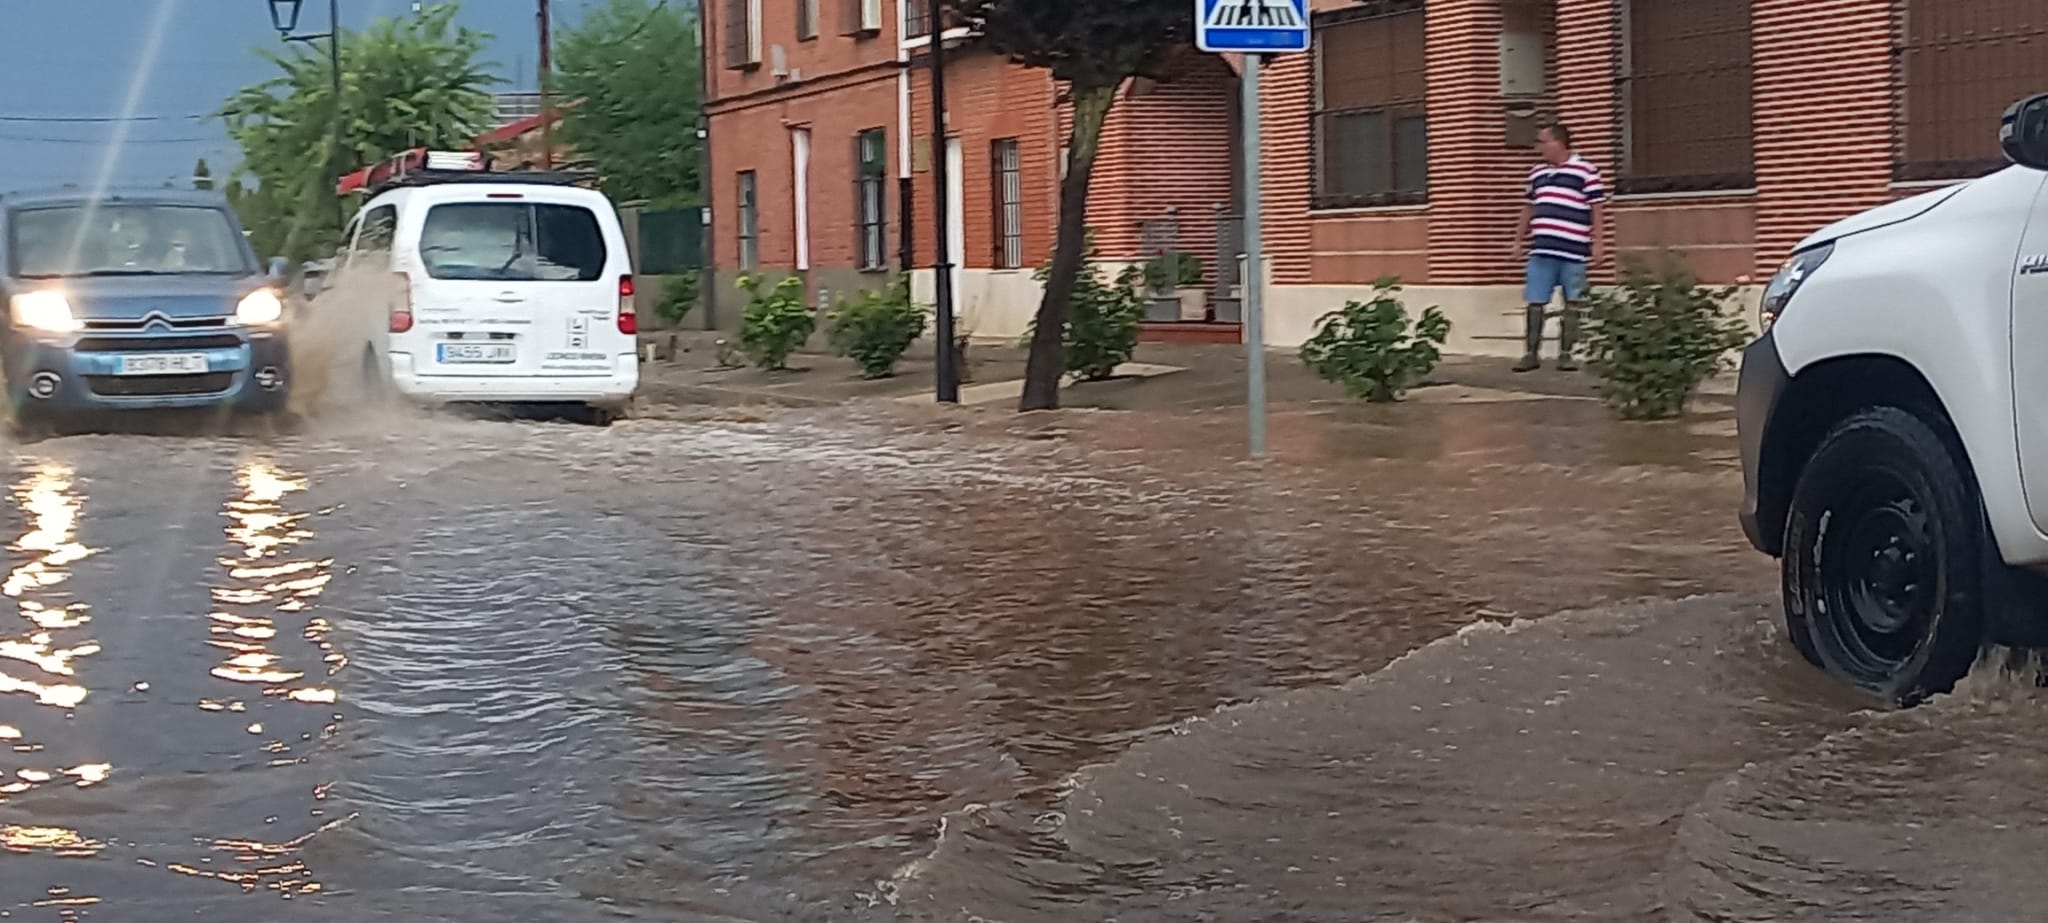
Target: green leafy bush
x,y
1657,335
1165,272
775,322
678,298
877,327
1102,319
1371,349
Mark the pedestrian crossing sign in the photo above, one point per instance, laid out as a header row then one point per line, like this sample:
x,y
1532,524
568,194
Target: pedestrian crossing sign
x,y
1251,26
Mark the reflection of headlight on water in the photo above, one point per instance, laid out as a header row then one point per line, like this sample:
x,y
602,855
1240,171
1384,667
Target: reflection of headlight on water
x,y
261,306
45,310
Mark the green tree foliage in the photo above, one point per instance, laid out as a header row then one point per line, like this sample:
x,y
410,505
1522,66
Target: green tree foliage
x,y
409,82
1093,46
631,69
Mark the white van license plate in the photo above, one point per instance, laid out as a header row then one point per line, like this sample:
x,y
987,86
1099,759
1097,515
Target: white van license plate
x,y
162,364
454,353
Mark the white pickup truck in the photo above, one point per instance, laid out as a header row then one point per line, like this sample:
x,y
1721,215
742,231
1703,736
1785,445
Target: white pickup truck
x,y
1894,428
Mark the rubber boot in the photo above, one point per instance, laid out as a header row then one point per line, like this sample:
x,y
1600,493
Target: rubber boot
x,y
1532,339
1567,337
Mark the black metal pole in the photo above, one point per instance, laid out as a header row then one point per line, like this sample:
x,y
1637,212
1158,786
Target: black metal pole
x,y
906,224
942,275
334,164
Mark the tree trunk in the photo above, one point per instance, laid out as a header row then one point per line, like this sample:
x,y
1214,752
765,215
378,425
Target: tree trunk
x,y
1047,365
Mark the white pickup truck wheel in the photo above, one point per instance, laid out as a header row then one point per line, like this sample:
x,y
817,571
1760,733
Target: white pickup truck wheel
x,y
1886,552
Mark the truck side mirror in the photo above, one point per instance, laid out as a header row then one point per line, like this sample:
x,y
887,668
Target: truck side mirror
x,y
278,266
2023,132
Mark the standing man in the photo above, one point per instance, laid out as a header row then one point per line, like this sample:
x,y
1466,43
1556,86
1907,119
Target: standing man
x,y
1559,236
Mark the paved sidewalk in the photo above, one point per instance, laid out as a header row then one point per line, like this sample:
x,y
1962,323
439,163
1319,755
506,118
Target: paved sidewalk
x,y
1161,377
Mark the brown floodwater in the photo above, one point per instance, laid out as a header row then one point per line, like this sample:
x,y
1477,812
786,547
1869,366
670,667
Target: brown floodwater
x,y
1475,662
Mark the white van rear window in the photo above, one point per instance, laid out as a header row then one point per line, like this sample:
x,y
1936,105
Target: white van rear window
x,y
512,242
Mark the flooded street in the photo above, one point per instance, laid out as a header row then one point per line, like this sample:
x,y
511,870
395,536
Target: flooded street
x,y
893,665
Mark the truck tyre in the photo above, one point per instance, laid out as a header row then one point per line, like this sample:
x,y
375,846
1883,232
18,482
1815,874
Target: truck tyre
x,y
1887,558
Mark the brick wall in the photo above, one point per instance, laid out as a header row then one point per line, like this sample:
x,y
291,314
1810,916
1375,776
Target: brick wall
x,y
1823,116
848,84
988,99
1166,145
757,138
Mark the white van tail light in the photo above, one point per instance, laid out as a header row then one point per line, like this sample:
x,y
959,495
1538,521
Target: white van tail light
x,y
629,316
401,308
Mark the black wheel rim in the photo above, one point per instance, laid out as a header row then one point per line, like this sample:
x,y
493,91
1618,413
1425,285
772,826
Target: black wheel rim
x,y
1878,577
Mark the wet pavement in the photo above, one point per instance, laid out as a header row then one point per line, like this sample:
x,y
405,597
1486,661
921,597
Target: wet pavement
x,y
889,664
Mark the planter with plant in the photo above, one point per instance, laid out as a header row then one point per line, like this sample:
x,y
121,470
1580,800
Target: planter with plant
x,y
1174,280
775,323
1659,334
877,327
1372,349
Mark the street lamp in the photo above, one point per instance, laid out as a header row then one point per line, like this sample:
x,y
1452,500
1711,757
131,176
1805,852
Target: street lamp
x,y
284,16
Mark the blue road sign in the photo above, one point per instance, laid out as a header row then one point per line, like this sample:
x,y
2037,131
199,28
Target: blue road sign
x,y
1252,26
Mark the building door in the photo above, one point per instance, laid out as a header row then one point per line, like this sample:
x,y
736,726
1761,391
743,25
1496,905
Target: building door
x,y
956,214
800,151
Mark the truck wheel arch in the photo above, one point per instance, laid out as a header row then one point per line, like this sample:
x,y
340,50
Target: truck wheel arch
x,y
1823,394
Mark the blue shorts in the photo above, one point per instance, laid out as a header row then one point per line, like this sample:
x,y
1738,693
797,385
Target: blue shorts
x,y
1548,274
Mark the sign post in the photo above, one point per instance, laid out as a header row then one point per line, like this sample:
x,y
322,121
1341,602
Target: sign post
x,y
1254,29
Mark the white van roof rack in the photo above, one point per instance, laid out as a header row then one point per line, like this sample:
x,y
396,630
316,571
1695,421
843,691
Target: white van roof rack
x,y
421,167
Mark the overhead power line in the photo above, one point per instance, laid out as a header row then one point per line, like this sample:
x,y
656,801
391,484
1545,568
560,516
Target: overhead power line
x,y
96,119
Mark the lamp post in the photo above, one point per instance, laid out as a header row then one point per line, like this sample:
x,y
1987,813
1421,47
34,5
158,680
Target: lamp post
x,y
942,269
284,16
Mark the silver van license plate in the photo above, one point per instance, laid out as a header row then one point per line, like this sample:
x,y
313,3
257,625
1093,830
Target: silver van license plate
x,y
456,353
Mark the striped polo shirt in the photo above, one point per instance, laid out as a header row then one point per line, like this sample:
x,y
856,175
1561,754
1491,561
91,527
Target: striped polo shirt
x,y
1561,200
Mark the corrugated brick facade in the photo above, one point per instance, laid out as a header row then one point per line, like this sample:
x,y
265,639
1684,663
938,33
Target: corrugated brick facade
x,y
1730,129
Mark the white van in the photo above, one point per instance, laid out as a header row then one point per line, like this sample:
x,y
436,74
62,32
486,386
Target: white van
x,y
511,288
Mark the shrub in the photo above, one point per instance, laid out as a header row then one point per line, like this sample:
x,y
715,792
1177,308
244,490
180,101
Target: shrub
x,y
678,298
877,327
1370,348
1657,335
1165,272
775,322
1102,320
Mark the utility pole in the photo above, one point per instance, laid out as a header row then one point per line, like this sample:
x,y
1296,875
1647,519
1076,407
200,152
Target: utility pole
x,y
547,110
942,274
334,165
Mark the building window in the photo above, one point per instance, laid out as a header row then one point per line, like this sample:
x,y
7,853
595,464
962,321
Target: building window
x,y
806,20
743,34
917,18
1007,170
1961,63
1371,131
750,223
870,185
860,17
1686,106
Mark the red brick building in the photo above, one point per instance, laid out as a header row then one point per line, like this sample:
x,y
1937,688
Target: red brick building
x,y
1729,129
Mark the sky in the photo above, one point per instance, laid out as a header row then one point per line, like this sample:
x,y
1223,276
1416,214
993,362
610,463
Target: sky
x,y
173,61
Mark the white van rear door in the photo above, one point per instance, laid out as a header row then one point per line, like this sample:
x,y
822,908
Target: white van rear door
x,y
513,284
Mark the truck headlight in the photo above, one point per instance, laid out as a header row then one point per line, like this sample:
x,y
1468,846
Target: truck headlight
x,y
48,311
259,307
1786,283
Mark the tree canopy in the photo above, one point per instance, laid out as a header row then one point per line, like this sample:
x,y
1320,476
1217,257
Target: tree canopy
x,y
1087,45
632,71
410,82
